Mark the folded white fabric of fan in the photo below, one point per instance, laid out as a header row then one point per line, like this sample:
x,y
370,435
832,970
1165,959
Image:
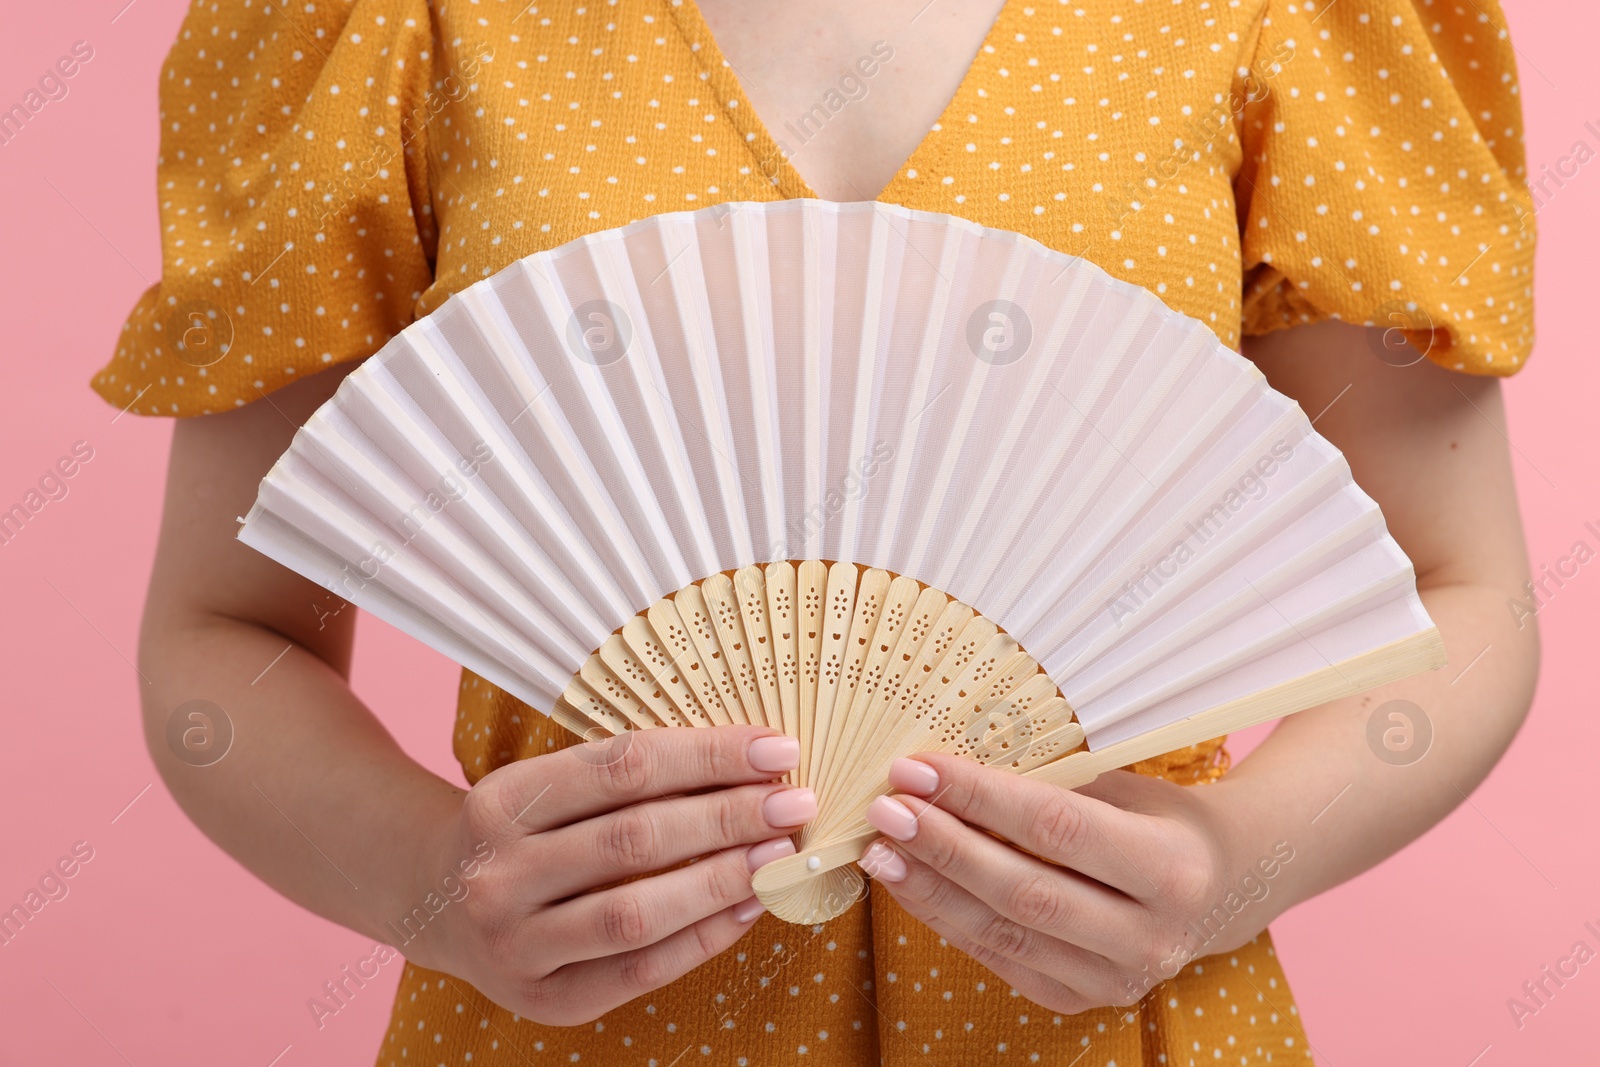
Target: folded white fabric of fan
x,y
596,427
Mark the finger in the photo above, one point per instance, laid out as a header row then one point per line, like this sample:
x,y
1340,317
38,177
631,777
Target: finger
x,y
1027,891
576,783
628,919
996,941
603,984
1088,835
1039,988
660,834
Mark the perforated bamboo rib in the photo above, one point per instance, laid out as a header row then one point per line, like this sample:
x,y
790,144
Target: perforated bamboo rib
x,y
860,664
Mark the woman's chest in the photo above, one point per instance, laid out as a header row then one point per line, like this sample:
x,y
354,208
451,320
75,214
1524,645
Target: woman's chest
x,y
1104,129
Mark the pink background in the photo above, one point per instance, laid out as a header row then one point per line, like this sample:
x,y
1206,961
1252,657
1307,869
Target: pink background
x,y
167,952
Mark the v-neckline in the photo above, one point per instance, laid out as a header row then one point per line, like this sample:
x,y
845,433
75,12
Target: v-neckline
x,y
758,140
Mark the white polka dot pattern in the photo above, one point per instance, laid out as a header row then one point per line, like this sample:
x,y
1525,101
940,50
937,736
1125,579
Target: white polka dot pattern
x,y
1384,179
329,173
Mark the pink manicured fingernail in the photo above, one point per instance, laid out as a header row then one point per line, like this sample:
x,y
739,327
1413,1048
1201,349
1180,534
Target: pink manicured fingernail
x,y
761,855
746,910
774,753
883,863
893,818
791,807
914,777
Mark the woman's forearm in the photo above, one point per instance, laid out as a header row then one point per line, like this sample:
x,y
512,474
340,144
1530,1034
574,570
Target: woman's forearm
x,y
313,795
1343,802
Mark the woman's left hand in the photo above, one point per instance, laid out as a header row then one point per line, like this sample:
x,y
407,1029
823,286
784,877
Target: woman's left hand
x,y
1137,870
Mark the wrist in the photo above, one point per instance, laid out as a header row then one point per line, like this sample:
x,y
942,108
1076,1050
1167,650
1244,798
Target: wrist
x,y
422,877
1257,861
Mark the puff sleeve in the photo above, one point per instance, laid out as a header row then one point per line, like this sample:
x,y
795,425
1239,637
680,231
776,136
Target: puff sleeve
x,y
1383,177
296,227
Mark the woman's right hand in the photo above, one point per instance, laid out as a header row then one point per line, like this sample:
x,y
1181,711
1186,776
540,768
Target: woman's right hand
x,y
531,935
318,800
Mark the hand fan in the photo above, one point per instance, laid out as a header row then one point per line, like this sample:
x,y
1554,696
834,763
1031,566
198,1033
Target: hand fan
x,y
883,479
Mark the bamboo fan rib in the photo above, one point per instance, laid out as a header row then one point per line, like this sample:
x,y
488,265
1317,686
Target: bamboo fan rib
x,y
861,665
885,480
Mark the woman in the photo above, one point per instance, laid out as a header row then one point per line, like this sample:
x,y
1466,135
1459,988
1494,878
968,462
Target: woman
x,y
331,172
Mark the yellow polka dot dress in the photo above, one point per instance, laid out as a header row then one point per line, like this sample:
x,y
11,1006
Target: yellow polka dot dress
x,y
330,171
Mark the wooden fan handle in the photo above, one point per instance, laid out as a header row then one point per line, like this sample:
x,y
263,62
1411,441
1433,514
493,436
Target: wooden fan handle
x,y
779,876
